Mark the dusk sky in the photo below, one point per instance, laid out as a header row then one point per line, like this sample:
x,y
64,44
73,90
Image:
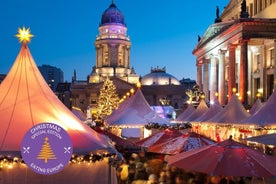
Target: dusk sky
x,y
162,33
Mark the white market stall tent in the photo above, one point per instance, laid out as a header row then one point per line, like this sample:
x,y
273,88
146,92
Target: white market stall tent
x,y
222,125
186,113
200,110
26,100
134,113
257,106
265,116
199,125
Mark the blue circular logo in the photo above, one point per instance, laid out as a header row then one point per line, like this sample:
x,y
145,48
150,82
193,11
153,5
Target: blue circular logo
x,y
46,148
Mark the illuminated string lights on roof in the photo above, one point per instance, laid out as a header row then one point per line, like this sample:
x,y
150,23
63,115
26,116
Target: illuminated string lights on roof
x,y
9,162
24,35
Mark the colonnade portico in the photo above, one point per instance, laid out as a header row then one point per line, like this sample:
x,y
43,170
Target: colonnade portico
x,y
236,55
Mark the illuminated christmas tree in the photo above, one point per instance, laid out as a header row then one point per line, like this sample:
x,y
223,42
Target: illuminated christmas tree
x,y
46,151
108,100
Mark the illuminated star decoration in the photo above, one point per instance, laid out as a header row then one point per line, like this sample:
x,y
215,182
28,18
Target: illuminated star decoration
x,y
24,35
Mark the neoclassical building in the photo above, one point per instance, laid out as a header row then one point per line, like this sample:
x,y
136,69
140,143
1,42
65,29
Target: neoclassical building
x,y
238,52
113,49
113,61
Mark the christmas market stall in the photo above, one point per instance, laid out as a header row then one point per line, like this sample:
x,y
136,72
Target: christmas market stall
x,y
135,114
199,125
225,122
27,101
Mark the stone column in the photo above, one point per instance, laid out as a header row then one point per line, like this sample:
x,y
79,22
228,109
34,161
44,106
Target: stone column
x,y
206,80
221,77
199,75
213,77
243,76
232,69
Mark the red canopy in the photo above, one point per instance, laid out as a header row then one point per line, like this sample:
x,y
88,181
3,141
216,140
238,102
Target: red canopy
x,y
120,142
185,142
158,137
227,158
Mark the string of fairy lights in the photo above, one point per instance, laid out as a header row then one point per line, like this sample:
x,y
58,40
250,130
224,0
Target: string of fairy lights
x,y
8,162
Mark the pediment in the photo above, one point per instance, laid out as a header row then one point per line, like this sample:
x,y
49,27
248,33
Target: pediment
x,y
213,31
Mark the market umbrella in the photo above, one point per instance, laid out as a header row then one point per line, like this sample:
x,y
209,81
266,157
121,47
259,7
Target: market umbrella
x,y
120,143
185,142
159,137
268,139
227,158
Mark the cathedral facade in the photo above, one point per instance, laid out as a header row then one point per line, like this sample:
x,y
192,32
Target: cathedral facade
x,y
113,61
237,53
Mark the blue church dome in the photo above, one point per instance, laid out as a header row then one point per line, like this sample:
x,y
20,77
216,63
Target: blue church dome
x,y
112,15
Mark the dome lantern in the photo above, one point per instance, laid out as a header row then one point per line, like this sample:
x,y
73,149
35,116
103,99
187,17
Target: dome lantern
x,y
112,15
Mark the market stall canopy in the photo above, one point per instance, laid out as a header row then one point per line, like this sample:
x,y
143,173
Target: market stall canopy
x,y
159,137
268,139
185,114
27,100
135,113
265,116
257,106
120,143
214,109
227,158
232,113
182,143
77,112
200,110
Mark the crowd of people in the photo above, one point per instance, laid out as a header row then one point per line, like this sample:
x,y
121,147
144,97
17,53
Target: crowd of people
x,y
145,168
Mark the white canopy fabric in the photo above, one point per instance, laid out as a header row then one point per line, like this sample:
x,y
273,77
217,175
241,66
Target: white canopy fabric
x,y
232,113
214,109
27,100
77,112
186,113
265,116
257,106
136,112
200,110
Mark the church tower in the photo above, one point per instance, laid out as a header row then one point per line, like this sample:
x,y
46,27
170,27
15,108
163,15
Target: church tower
x,y
112,48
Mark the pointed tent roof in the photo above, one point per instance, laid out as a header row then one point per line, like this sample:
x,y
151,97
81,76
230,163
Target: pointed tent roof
x,y
214,109
266,116
121,108
257,106
201,109
135,113
159,137
233,112
187,112
27,100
